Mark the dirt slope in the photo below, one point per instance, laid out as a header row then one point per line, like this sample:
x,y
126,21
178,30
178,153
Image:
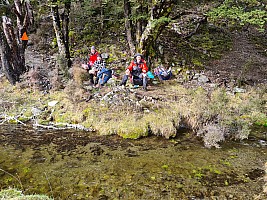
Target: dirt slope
x,y
245,62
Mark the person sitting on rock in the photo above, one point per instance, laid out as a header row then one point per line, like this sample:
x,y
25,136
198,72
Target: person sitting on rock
x,y
137,71
97,67
103,76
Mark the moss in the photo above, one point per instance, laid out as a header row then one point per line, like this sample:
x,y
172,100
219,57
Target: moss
x,y
23,119
132,129
197,63
14,194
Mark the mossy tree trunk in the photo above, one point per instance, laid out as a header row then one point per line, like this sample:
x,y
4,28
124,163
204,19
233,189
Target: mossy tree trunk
x,y
61,27
159,18
151,18
12,48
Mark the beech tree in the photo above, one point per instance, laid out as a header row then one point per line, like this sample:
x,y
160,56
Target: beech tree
x,y
61,27
12,48
145,21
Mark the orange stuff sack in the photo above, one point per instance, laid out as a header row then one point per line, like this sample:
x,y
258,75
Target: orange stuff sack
x,y
24,36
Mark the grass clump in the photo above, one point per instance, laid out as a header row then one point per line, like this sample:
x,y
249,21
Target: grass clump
x,y
14,194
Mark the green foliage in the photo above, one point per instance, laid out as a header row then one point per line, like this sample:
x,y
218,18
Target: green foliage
x,y
54,43
208,43
160,21
261,119
239,13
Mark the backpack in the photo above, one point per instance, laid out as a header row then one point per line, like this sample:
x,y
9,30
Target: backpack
x,y
163,73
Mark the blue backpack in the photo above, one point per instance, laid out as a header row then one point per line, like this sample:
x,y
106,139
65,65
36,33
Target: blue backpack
x,y
162,73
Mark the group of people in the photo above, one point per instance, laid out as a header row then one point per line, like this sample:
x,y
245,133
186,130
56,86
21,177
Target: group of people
x,y
99,74
137,71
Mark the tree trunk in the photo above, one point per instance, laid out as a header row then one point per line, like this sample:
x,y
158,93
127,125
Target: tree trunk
x,y
61,27
58,30
128,26
12,48
138,25
5,64
159,14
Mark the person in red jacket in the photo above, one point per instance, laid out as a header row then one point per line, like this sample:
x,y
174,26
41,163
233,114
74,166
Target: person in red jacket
x,y
92,58
137,71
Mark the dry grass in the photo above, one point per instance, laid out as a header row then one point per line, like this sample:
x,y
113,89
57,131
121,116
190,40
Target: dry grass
x,y
79,74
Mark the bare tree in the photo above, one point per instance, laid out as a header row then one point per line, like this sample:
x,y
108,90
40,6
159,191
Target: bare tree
x,y
12,47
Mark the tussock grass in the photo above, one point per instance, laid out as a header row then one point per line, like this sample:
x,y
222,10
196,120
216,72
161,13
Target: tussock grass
x,y
79,74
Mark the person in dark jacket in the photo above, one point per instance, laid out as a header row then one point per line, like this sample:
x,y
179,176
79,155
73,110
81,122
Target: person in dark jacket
x,y
137,72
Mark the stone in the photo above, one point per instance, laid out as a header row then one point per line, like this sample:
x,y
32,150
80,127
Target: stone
x,y
239,90
203,79
52,103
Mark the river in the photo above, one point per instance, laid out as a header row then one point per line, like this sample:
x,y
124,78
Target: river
x,y
80,165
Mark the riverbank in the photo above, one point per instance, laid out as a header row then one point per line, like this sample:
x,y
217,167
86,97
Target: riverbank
x,y
213,113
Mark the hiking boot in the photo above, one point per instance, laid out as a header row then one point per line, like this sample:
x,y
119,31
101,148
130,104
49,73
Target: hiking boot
x,y
124,80
144,88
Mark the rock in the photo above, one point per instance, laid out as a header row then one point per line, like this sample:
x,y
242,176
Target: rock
x,y
111,81
52,103
36,111
239,90
203,79
213,85
196,76
105,55
146,110
88,87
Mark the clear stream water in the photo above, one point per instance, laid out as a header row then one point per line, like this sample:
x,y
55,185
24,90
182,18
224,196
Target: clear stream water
x,y
80,165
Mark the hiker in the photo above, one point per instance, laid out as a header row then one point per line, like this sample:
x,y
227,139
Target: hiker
x,y
99,70
137,71
103,76
92,58
162,73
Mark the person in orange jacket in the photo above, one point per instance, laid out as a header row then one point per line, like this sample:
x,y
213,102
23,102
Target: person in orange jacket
x,y
137,71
